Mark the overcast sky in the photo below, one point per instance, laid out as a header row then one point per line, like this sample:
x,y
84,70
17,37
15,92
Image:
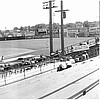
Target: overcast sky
x,y
30,12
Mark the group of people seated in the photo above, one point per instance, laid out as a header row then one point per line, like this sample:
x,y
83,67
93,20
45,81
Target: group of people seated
x,y
70,61
21,65
84,56
36,62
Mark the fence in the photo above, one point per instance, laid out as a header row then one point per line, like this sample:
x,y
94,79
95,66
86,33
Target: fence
x,y
22,73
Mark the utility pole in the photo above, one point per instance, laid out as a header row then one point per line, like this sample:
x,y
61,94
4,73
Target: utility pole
x,y
62,30
99,17
50,28
50,6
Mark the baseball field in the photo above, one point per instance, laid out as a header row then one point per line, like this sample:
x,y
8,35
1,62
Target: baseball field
x,y
35,46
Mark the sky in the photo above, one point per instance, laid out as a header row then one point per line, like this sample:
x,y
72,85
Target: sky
x,y
16,13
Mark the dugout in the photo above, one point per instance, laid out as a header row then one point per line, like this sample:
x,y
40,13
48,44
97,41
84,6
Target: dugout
x,y
94,50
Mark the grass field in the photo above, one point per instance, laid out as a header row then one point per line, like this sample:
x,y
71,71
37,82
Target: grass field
x,y
36,46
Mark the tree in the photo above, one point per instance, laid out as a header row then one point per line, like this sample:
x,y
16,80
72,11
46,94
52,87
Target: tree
x,y
21,28
71,25
56,26
86,24
15,28
25,28
29,28
79,24
32,28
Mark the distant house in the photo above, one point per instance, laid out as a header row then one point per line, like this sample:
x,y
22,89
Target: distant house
x,y
1,35
72,32
79,24
94,31
14,33
94,24
6,34
41,31
83,32
30,34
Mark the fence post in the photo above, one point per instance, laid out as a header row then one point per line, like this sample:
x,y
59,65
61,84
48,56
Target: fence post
x,y
24,72
54,63
40,65
4,78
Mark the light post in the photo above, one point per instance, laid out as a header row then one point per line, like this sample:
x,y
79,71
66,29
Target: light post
x,y
53,17
24,72
5,77
48,5
53,25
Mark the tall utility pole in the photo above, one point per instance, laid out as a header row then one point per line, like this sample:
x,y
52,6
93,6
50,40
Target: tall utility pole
x,y
50,22
62,30
99,15
50,28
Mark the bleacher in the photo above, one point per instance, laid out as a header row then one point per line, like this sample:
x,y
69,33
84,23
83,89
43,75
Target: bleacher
x,y
91,46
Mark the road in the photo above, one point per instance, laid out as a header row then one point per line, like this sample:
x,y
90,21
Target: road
x,y
56,84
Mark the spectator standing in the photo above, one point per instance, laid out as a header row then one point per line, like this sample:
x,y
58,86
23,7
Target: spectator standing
x,y
96,40
85,56
68,63
72,49
2,58
72,60
60,68
76,58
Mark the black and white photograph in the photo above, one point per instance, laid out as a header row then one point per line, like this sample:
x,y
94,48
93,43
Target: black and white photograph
x,y
50,49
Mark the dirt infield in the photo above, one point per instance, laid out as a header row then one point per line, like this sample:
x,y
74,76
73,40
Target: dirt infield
x,y
35,46
12,52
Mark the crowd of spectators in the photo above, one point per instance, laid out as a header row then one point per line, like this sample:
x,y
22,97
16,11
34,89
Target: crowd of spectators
x,y
38,62
23,65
